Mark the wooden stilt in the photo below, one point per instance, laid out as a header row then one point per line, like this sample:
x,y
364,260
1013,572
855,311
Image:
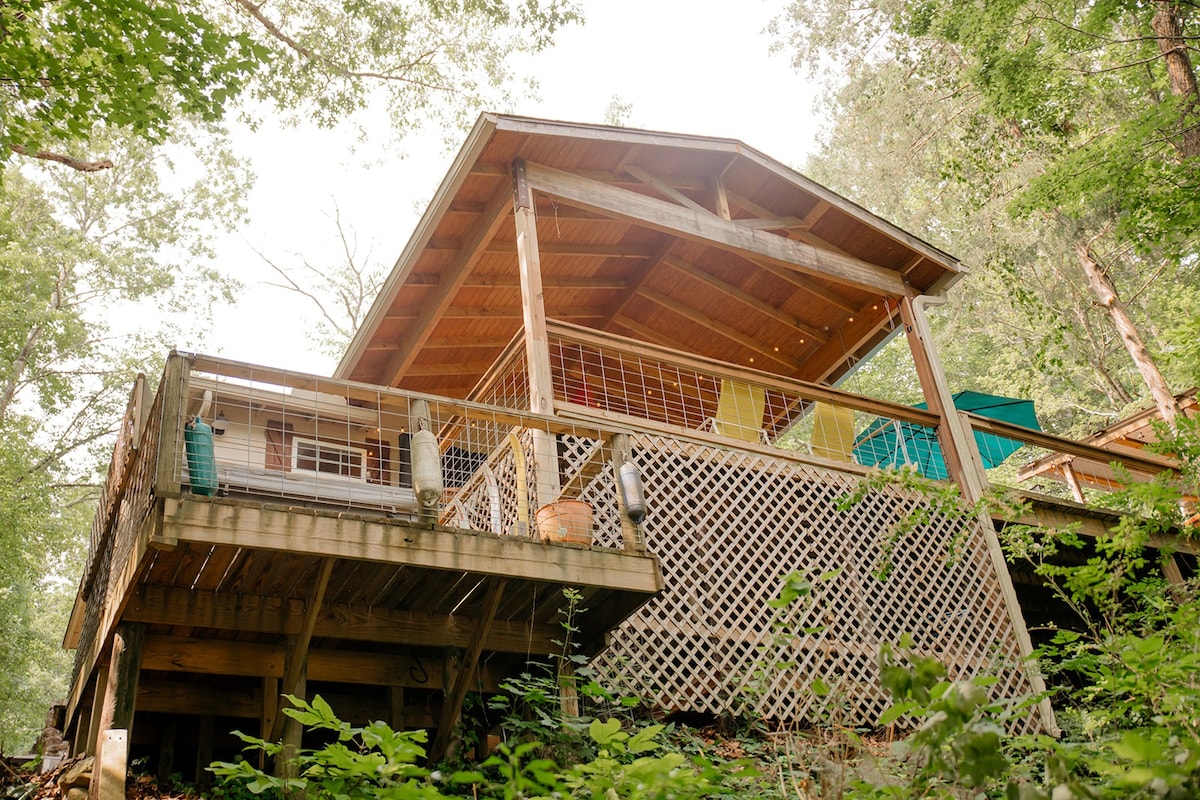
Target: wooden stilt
x,y
457,690
204,750
965,466
270,709
97,711
119,692
396,707
297,661
166,750
290,730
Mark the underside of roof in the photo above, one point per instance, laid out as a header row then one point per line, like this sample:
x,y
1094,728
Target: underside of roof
x,y
700,244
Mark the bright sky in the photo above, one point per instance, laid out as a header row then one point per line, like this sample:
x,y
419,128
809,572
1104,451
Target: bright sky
x,y
687,66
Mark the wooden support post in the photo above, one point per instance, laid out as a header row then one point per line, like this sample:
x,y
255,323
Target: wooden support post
x,y
108,774
457,686
537,340
204,750
568,690
622,452
937,396
167,475
965,466
166,750
395,695
270,710
91,736
79,739
1068,470
297,661
120,689
290,731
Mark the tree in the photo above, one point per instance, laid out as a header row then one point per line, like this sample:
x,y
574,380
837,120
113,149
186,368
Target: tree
x,y
341,293
1063,118
69,67
100,274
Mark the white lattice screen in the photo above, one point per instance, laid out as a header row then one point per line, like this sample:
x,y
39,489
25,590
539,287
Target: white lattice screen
x,y
727,524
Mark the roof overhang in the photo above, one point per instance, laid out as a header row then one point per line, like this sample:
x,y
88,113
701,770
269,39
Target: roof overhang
x,y
698,243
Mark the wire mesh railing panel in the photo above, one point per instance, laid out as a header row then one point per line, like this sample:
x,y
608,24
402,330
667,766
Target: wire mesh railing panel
x,y
326,443
620,378
727,524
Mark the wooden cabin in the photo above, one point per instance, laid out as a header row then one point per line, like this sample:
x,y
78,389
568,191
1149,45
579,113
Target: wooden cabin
x,y
580,303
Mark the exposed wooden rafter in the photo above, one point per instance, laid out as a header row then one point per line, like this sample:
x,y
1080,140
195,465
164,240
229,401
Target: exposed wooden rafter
x,y
710,229
746,298
453,276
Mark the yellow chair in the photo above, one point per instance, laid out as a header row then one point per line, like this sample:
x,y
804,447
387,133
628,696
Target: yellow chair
x,y
740,411
833,432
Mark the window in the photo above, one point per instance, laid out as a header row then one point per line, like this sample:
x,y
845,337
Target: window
x,y
324,458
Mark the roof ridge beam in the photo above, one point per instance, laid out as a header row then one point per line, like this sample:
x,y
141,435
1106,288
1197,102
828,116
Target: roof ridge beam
x,y
710,229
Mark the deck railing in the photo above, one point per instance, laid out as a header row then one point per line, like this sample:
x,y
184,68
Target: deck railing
x,y
610,377
627,382
317,443
1054,465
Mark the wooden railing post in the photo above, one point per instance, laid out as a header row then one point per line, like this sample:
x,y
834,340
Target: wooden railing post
x,y
622,452
167,481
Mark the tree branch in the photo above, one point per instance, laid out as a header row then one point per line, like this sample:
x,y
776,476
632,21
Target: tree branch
x,y
62,158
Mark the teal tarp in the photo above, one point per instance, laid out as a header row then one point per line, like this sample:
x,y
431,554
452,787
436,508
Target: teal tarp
x,y
890,443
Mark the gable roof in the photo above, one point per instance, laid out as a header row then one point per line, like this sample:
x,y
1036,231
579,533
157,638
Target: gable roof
x,y
698,243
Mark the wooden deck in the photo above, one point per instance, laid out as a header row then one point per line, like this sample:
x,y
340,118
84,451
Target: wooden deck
x,y
214,605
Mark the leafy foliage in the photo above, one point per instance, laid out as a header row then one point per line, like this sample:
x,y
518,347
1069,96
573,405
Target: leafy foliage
x,y
70,68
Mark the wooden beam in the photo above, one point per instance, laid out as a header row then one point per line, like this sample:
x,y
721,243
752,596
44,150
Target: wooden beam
x,y
494,312
452,707
455,368
257,660
555,248
230,522
650,334
476,281
298,650
162,605
710,229
805,284
665,190
452,279
617,307
734,335
746,298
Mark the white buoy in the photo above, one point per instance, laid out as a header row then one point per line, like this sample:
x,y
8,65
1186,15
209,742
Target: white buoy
x,y
426,459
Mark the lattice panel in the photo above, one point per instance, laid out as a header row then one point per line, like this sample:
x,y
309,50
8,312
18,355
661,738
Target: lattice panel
x,y
727,524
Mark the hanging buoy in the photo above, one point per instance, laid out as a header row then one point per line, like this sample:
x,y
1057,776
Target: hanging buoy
x,y
201,460
426,468
426,459
632,494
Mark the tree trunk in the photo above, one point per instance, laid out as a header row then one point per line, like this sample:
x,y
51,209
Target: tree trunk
x,y
1181,75
1106,294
